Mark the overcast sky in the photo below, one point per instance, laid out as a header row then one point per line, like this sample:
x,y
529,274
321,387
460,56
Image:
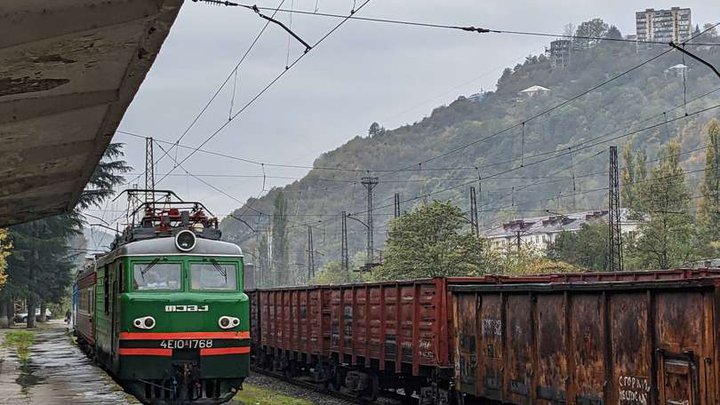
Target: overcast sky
x,y
362,73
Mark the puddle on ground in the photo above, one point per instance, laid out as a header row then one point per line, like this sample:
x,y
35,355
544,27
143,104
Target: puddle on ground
x,y
59,373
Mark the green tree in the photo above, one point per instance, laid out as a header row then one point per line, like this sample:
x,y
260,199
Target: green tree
x,y
709,213
666,239
430,241
592,32
627,177
40,264
375,130
280,258
332,273
5,246
632,176
526,261
613,33
586,248
264,266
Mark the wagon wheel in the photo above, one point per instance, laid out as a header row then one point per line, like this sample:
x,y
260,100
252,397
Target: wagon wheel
x,y
373,390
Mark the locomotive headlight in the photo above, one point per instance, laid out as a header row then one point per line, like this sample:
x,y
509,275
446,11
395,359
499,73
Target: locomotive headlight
x,y
145,322
227,322
185,240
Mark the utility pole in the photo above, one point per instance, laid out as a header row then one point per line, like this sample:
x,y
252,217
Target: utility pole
x,y
474,220
518,240
369,183
397,205
615,262
574,190
344,244
149,170
479,196
310,255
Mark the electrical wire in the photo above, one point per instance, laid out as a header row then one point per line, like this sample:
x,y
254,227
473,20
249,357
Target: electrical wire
x,y
459,27
268,86
222,85
559,105
571,150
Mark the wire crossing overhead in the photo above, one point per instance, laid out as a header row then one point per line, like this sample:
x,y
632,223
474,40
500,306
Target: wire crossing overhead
x,y
465,28
268,86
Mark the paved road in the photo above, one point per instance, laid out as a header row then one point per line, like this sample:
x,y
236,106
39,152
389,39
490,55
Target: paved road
x,y
58,373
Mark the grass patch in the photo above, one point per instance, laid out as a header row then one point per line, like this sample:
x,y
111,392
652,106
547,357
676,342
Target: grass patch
x,y
254,395
20,340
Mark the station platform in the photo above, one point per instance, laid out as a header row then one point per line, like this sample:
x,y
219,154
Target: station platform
x,y
57,373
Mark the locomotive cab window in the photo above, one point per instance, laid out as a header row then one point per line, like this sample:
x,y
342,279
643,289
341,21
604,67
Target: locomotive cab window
x,y
157,276
213,276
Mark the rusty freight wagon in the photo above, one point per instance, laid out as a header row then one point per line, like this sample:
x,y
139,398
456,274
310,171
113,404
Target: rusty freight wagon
x,y
361,338
629,338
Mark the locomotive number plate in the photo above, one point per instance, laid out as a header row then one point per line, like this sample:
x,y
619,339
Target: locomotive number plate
x,y
186,343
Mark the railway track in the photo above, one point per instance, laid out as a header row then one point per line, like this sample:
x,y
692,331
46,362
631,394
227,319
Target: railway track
x,y
385,399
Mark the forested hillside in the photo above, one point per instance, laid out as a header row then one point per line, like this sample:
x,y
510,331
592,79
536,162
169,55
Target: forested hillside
x,y
528,154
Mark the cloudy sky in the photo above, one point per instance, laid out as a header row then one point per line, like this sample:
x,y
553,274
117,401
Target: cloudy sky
x,y
363,72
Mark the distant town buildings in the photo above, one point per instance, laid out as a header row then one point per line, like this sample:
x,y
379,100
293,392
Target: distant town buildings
x,y
534,91
559,53
478,97
663,25
538,232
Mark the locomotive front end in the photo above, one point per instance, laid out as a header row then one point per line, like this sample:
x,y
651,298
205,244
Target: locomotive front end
x,y
184,329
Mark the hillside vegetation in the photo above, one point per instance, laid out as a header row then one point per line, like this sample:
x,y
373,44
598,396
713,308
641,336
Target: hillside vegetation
x,y
526,159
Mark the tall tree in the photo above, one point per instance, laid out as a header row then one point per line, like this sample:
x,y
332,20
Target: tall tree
x,y
430,241
40,265
613,33
5,246
709,213
375,130
666,238
264,266
591,33
280,241
627,177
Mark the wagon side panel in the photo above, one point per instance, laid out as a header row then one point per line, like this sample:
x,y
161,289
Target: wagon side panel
x,y
630,380
587,347
551,350
519,346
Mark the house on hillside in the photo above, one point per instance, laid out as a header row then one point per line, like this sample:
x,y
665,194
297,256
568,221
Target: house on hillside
x,y
678,70
477,97
534,91
538,232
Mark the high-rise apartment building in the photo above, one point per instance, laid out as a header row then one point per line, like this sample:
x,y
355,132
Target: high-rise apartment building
x,y
663,25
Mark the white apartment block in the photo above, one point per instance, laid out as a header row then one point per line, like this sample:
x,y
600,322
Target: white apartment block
x,y
539,232
663,25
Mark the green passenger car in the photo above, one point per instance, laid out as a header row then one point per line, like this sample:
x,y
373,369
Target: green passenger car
x,y
167,316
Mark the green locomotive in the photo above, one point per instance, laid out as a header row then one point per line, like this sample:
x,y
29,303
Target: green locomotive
x,y
165,311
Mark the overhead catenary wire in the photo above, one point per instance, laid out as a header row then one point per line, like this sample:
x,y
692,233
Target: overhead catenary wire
x,y
232,73
267,87
465,28
410,169
569,150
561,104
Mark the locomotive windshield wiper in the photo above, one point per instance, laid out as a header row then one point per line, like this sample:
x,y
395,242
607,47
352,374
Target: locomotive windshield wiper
x,y
219,268
149,266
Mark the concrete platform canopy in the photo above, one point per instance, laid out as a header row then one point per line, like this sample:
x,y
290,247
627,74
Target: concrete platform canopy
x,y
68,71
